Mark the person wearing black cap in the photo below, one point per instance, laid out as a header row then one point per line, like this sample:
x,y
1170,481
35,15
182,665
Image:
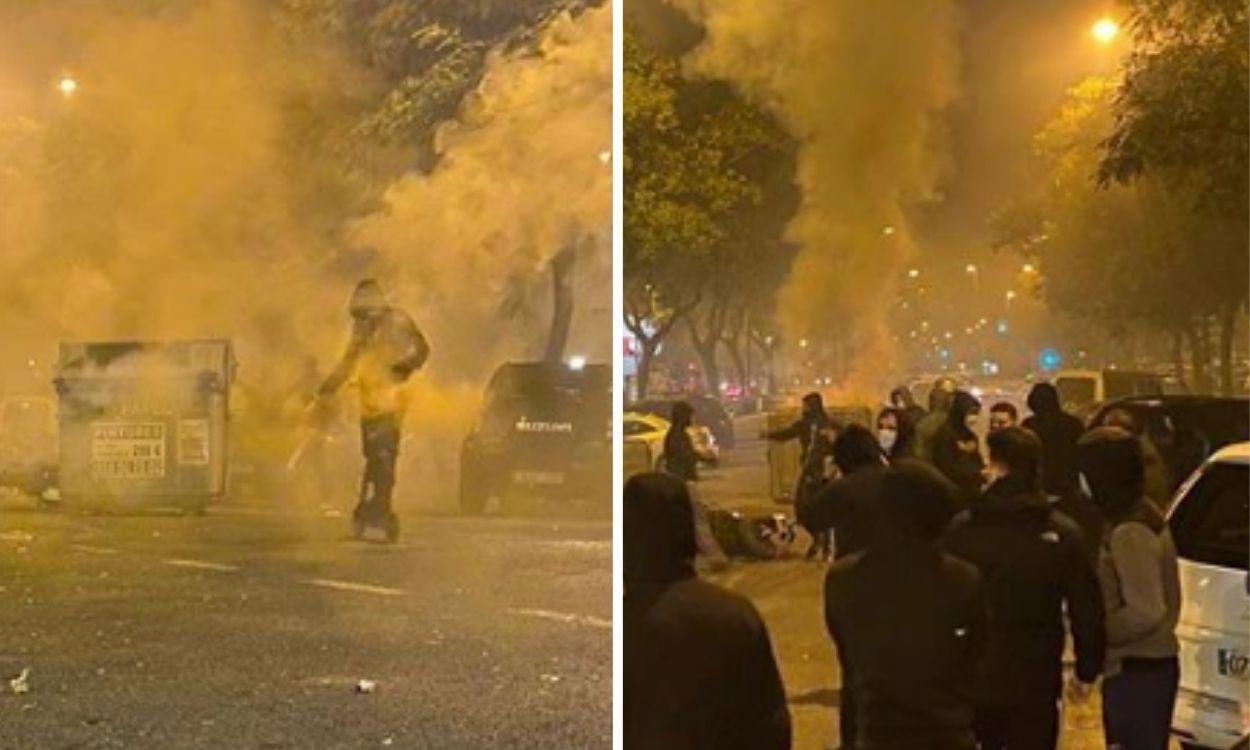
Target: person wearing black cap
x,y
1035,567
385,349
699,666
1141,589
907,620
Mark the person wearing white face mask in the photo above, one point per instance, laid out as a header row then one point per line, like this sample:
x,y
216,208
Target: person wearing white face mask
x,y
957,449
895,433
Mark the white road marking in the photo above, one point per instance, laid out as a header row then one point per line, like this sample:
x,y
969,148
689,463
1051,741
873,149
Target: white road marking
x,y
200,565
572,619
581,545
94,550
364,588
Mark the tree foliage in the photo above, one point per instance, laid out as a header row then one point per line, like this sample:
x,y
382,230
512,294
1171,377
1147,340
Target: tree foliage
x,y
701,211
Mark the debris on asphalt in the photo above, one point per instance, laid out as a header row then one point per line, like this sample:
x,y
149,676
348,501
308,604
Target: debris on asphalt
x,y
20,685
366,686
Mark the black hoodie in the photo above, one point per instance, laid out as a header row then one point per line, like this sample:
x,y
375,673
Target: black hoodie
x,y
908,621
1058,432
1033,562
956,448
699,666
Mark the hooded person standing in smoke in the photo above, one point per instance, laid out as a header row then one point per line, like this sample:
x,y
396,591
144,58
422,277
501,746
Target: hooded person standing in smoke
x,y
385,349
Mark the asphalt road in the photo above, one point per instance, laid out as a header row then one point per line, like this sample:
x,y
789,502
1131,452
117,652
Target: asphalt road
x,y
252,629
789,594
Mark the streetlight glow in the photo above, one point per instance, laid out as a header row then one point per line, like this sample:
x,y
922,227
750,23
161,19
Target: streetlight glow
x,y
971,268
1105,30
1028,268
913,273
1011,295
68,85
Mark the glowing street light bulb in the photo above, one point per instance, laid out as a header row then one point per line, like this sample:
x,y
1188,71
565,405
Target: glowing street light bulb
x,y
1028,268
971,268
887,231
68,85
1011,294
1105,30
802,343
913,273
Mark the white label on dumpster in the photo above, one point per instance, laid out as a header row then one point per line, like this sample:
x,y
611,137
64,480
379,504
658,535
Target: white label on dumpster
x,y
193,442
127,450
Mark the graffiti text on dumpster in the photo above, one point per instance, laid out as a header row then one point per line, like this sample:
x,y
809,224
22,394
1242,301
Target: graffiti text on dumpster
x,y
127,450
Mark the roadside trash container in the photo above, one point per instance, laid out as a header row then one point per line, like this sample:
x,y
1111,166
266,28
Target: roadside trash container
x,y
783,457
144,423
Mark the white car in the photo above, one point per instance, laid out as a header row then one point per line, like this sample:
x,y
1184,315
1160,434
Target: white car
x,y
1210,517
649,430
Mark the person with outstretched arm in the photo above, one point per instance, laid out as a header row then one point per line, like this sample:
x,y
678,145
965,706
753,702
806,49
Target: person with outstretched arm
x,y
385,349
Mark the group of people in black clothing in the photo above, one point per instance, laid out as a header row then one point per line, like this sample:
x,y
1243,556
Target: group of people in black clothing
x,y
954,585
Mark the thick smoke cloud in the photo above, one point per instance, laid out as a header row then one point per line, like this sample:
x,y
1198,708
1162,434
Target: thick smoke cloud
x,y
859,85
525,173
172,196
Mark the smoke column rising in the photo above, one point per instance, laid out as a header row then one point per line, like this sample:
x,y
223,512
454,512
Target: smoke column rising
x,y
858,84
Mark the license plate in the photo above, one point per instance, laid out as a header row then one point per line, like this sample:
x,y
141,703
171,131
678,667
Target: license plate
x,y
526,476
1232,663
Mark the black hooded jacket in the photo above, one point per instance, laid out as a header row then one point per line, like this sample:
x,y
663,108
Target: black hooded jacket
x,y
1058,432
1033,562
699,667
908,621
956,449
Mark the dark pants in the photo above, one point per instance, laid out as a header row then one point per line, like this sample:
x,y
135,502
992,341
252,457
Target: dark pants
x,y
1137,704
1033,725
847,717
379,441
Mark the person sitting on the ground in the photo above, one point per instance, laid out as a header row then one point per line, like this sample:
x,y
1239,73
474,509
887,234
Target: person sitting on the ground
x,y
907,621
699,666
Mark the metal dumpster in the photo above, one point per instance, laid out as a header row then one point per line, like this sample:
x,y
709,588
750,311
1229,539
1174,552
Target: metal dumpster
x,y
144,423
784,457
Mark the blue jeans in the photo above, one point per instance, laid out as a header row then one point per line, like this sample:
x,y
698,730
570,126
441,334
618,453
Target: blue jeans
x,y
1137,704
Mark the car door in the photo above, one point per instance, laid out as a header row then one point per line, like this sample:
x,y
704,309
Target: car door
x,y
1209,524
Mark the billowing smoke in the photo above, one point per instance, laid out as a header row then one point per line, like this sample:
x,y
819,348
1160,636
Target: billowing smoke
x,y
525,174
859,85
182,190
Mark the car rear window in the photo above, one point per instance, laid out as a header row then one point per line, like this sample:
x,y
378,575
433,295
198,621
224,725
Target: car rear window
x,y
1212,523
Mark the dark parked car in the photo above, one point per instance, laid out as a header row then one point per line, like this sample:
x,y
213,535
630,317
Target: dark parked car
x,y
544,431
1185,429
708,412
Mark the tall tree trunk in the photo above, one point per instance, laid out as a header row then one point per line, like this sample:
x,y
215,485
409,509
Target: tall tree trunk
x,y
1228,328
562,308
1178,357
1198,355
706,343
643,378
